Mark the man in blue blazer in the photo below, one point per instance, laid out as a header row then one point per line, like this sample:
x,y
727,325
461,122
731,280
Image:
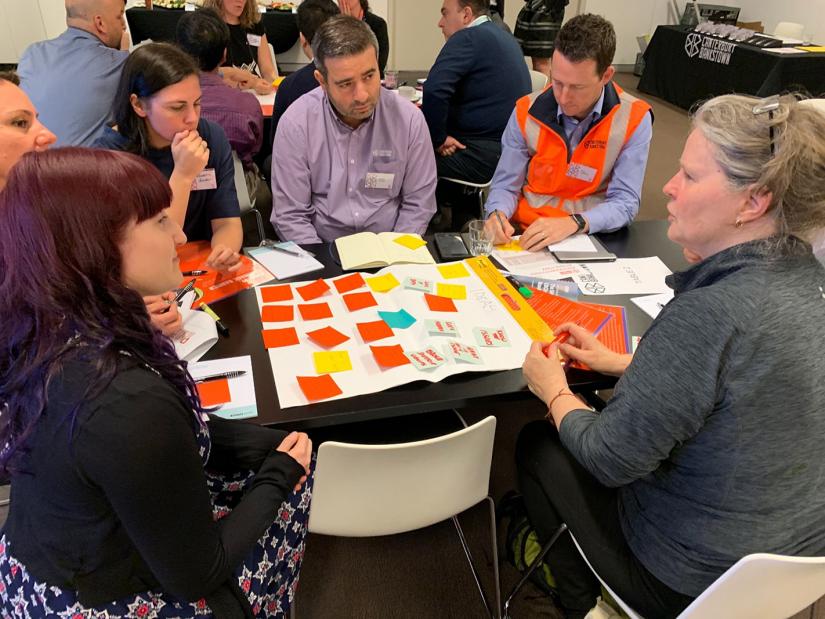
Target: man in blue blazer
x,y
470,93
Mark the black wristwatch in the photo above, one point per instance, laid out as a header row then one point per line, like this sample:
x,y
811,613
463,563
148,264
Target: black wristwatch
x,y
581,222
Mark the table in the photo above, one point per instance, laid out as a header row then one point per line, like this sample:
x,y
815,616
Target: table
x,y
684,67
241,313
159,24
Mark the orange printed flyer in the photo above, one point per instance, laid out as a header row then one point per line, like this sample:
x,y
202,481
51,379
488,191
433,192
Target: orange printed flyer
x,y
214,284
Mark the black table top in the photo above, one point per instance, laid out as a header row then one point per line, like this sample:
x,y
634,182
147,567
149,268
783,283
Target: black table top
x,y
241,313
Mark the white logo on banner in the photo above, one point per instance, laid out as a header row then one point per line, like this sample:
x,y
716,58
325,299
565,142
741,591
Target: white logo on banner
x,y
692,44
709,48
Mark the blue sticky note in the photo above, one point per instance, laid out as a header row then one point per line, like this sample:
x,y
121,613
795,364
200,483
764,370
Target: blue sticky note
x,y
401,319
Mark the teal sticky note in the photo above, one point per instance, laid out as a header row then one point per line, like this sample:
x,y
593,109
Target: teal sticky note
x,y
401,319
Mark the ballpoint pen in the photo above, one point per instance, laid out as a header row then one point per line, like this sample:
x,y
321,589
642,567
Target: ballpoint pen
x,y
189,285
194,273
501,223
233,374
273,245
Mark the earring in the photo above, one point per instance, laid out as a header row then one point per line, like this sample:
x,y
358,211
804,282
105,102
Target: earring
x,y
739,223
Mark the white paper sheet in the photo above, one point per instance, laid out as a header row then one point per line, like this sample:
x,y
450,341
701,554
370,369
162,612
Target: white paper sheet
x,y
198,332
480,309
653,304
264,99
241,389
282,265
577,242
624,276
535,264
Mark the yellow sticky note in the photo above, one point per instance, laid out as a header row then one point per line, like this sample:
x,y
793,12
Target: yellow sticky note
x,y
327,362
453,271
511,246
382,283
451,291
411,242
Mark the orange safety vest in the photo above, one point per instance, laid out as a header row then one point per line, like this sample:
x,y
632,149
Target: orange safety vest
x,y
558,183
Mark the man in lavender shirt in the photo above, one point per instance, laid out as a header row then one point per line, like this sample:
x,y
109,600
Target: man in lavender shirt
x,y
350,156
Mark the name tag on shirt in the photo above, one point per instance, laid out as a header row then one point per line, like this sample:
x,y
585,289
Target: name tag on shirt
x,y
254,40
581,172
379,180
205,180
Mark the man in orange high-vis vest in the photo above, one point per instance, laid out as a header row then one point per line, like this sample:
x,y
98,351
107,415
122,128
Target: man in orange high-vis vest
x,y
574,155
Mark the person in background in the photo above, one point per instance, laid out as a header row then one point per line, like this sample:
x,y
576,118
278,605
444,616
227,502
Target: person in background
x,y
20,129
310,15
710,448
72,79
128,498
537,26
248,63
157,115
573,157
356,157
465,115
360,9
204,36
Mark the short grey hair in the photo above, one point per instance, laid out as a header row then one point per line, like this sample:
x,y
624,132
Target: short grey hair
x,y
340,36
794,173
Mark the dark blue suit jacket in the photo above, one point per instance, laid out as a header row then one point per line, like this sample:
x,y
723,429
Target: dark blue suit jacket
x,y
293,87
473,86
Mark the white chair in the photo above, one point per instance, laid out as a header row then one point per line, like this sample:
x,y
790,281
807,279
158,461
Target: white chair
x,y
246,203
371,490
789,30
480,189
272,57
538,79
758,586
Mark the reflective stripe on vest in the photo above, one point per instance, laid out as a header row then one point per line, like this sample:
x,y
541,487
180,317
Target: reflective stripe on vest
x,y
615,141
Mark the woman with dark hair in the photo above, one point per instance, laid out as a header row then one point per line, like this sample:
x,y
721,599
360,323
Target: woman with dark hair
x,y
248,61
157,116
360,9
20,130
118,476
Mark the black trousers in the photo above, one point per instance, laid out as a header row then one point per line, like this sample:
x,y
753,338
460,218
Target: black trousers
x,y
557,489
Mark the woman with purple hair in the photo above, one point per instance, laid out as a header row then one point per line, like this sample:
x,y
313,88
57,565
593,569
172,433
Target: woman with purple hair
x,y
128,499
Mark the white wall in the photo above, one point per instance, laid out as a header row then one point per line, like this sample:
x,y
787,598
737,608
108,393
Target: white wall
x,y
21,24
810,13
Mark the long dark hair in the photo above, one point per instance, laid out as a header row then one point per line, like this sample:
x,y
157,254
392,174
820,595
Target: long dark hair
x,y
63,214
149,69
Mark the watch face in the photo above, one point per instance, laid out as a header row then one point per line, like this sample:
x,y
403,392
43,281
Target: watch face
x,y
579,221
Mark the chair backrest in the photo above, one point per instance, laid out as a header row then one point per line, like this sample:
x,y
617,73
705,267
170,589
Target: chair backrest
x,y
762,586
538,79
244,201
758,586
369,490
789,30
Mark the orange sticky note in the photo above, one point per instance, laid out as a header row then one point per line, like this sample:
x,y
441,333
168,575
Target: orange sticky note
x,y
214,392
439,304
359,300
277,313
276,338
318,387
371,331
313,290
275,294
349,283
314,311
327,337
389,356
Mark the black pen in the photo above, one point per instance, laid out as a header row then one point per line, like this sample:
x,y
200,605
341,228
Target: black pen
x,y
234,374
190,284
523,290
194,273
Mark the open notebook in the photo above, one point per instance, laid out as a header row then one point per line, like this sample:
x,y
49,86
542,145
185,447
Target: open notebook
x,y
366,250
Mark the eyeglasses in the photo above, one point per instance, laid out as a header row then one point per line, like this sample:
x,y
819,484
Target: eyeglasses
x,y
769,105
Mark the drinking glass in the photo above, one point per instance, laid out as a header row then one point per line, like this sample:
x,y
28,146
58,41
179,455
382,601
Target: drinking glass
x,y
481,240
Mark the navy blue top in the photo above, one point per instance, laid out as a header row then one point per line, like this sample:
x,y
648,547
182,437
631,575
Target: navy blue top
x,y
474,84
204,204
293,87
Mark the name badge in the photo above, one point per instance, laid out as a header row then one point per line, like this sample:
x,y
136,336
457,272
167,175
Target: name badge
x,y
189,7
379,180
254,40
581,172
205,180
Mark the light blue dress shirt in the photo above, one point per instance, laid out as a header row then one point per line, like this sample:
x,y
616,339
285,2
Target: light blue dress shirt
x,y
621,203
72,80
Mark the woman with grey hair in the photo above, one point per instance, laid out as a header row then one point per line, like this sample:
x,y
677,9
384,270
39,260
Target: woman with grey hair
x,y
709,449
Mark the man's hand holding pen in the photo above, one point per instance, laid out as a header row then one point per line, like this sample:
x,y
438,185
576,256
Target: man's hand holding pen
x,y
500,227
